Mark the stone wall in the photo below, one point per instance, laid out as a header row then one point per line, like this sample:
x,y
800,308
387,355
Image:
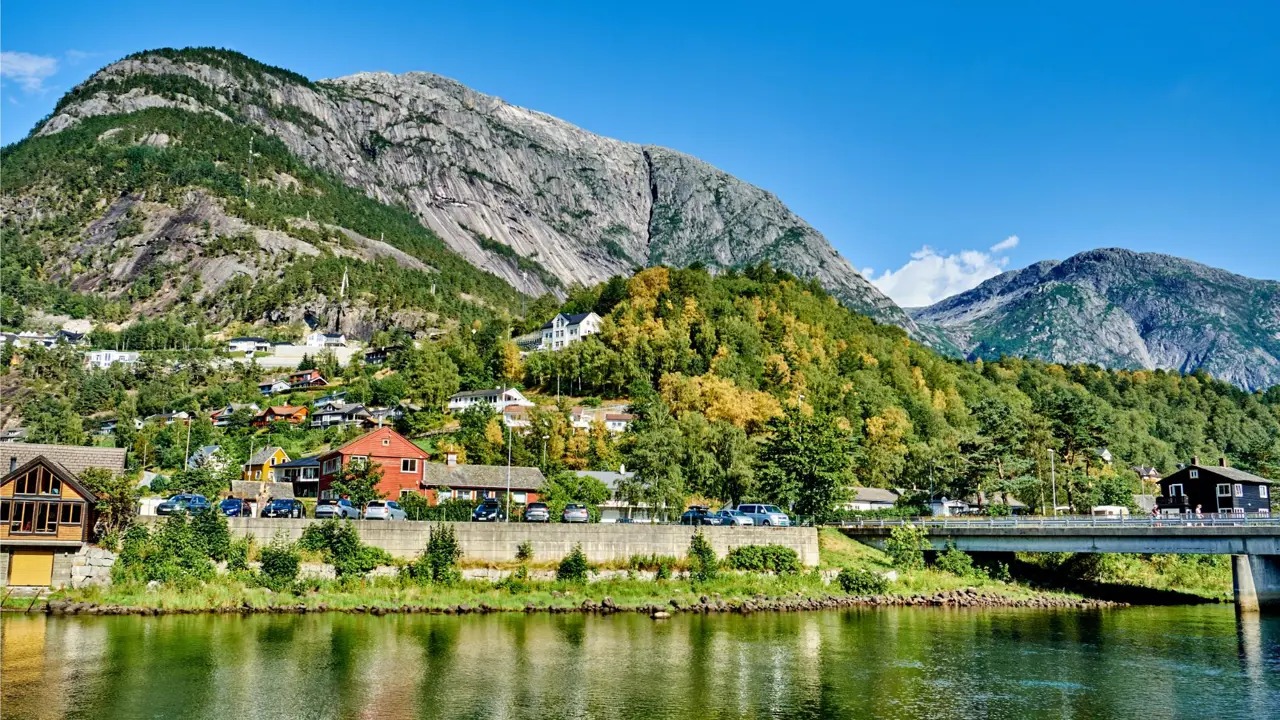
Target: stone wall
x,y
497,542
90,566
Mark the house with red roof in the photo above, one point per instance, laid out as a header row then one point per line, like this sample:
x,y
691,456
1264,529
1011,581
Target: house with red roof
x,y
402,462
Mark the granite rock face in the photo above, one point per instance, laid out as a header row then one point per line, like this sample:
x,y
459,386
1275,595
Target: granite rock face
x,y
1119,308
526,196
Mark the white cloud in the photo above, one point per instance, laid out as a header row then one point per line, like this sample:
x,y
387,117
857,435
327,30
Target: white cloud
x,y
27,70
929,276
1008,243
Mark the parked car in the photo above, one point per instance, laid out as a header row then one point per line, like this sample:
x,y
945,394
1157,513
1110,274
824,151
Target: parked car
x,y
700,515
765,515
488,511
336,508
192,503
537,512
575,513
384,510
284,508
235,507
734,517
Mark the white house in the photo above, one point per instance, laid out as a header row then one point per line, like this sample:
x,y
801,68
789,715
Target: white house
x,y
103,359
618,422
273,387
516,416
248,344
497,399
564,330
324,340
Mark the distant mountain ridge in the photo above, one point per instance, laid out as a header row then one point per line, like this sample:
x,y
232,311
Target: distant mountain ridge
x,y
1120,308
518,193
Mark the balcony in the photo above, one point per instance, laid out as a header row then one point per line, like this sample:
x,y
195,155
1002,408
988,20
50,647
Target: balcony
x,y
1178,502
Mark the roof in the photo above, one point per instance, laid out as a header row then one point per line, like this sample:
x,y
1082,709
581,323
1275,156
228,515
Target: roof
x,y
311,461
613,417
75,459
482,476
866,494
402,445
1233,474
283,409
263,455
253,488
338,408
247,339
515,410
479,393
609,478
573,319
63,474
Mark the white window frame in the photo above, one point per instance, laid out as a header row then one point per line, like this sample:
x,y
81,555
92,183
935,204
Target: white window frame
x,y
332,465
408,465
1224,489
1194,474
1239,488
1264,492
1175,490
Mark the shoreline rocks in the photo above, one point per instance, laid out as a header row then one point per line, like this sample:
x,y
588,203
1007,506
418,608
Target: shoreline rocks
x,y
967,598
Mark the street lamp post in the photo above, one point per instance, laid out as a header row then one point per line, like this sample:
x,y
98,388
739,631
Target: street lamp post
x,y
545,438
1053,479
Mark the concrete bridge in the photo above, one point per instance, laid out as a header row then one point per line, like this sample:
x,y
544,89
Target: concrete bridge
x,y
1253,542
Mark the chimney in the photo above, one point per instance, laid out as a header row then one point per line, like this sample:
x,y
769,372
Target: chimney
x,y
1195,459
451,459
13,463
1222,462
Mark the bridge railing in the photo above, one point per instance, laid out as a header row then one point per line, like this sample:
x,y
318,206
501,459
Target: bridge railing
x,y
1047,521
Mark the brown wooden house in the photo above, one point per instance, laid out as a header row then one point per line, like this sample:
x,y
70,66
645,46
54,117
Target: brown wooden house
x,y
46,512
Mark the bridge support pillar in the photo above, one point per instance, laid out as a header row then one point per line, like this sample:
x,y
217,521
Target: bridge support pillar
x,y
1256,580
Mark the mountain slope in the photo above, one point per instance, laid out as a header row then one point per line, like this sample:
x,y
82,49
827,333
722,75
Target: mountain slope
x,y
1119,308
530,198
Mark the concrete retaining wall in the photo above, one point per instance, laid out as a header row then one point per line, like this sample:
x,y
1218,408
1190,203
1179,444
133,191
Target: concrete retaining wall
x,y
497,542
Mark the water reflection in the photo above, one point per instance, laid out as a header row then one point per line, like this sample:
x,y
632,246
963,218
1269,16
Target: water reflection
x,y
1152,662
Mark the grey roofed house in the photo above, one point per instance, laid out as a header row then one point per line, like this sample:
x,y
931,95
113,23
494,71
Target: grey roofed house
x,y
493,477
201,456
75,459
254,489
608,477
263,455
877,496
17,434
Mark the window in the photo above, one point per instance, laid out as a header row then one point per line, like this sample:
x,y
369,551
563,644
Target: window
x,y
1175,490
332,465
1239,490
1263,492
519,497
70,514
409,465
1194,474
4,511
386,442
47,518
359,460
1224,489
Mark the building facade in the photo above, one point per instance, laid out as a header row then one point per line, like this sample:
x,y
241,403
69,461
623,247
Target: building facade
x,y
401,461
1214,489
564,330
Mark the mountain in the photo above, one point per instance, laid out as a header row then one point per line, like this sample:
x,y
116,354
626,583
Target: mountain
x,y
1120,309
521,195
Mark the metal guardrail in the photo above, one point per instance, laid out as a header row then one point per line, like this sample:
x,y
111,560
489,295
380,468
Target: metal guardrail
x,y
1082,521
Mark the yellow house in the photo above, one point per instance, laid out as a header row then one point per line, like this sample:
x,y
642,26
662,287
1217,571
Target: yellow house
x,y
262,466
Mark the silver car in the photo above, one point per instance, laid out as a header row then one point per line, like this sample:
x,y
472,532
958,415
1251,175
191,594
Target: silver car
x,y
340,508
537,512
575,513
384,510
769,515
735,517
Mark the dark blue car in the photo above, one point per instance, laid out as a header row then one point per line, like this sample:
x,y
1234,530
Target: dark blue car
x,y
192,503
235,507
488,511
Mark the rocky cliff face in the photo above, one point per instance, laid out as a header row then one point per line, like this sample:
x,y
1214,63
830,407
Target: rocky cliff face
x,y
1122,309
521,194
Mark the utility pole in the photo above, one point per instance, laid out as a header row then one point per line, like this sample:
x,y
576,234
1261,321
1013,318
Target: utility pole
x,y
545,438
504,420
1053,478
187,458
248,181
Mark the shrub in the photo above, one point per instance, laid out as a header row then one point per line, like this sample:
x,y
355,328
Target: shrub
x,y
957,562
702,558
159,484
280,563
862,582
517,582
906,546
776,559
524,551
213,533
438,563
573,568
340,544
238,554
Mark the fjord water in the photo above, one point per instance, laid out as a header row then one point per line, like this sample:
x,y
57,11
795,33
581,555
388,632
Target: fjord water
x,y
877,663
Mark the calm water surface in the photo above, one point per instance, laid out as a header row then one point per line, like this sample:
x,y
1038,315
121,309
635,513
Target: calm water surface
x,y
875,663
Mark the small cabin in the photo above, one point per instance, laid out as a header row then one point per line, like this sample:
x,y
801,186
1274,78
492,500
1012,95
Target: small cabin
x,y
1214,489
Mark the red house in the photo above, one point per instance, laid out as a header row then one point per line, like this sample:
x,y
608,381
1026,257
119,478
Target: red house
x,y
306,379
402,462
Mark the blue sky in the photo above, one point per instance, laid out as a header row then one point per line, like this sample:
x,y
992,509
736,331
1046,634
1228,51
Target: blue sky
x,y
916,136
